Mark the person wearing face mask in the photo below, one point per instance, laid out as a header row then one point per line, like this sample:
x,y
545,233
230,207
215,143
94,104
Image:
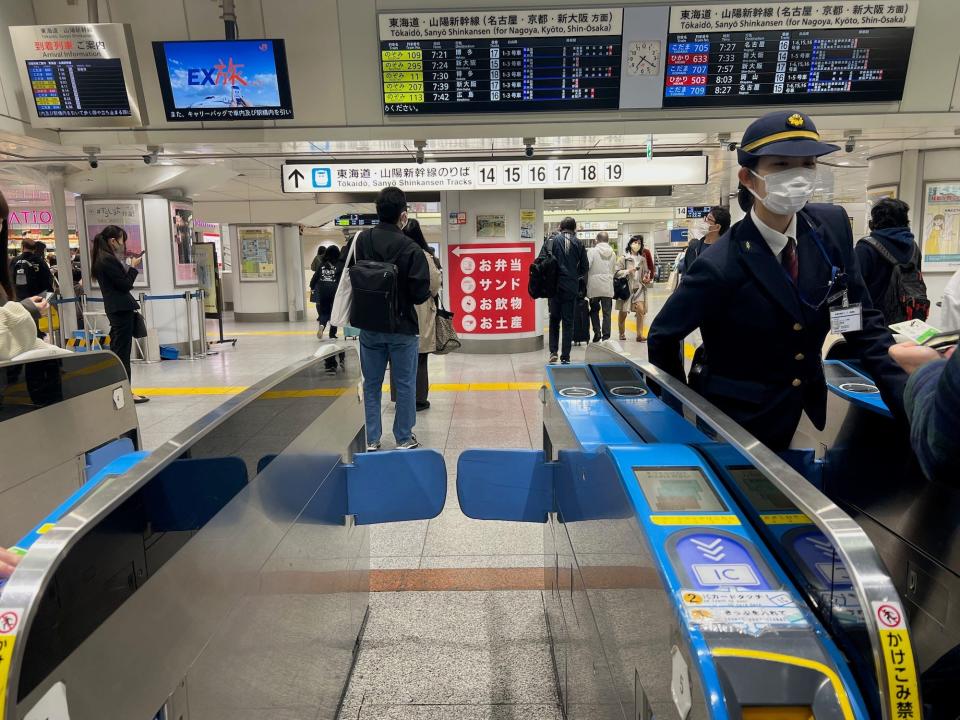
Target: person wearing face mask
x,y
764,295
708,232
109,260
637,265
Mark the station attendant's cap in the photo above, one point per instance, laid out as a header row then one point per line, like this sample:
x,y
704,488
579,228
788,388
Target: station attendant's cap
x,y
785,132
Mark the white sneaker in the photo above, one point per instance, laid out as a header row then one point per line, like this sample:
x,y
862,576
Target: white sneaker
x,y
411,444
373,447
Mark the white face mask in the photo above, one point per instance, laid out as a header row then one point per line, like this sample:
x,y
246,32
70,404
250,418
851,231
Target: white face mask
x,y
698,230
788,190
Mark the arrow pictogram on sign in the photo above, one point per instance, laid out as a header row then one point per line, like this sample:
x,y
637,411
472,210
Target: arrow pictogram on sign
x,y
296,176
459,250
713,551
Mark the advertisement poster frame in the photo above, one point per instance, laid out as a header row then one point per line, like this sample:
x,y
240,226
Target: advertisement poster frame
x,y
182,239
268,231
136,232
940,230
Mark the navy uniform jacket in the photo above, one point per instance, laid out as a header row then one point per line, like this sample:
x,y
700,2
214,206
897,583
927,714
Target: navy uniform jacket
x,y
762,342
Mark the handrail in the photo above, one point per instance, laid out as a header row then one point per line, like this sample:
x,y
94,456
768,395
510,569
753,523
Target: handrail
x,y
868,576
29,582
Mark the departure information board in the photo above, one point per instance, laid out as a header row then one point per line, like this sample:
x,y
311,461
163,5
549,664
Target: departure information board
x,y
771,53
790,66
78,88
516,62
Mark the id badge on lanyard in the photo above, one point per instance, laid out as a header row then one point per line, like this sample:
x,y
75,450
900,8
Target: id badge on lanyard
x,y
846,318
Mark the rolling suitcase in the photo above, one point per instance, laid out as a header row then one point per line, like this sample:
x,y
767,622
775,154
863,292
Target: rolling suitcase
x,y
581,322
350,332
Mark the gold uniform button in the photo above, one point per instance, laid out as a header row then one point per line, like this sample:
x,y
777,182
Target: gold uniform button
x,y
799,356
797,382
798,327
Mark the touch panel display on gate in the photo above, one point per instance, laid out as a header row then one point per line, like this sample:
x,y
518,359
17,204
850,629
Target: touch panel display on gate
x,y
677,489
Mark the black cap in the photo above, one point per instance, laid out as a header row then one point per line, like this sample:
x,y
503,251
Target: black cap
x,y
785,132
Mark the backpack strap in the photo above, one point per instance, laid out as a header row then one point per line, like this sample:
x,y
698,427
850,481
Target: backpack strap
x,y
881,250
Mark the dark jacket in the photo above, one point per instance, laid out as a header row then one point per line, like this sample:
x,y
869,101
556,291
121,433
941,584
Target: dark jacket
x,y
387,243
761,341
694,249
573,263
116,281
876,271
38,275
932,402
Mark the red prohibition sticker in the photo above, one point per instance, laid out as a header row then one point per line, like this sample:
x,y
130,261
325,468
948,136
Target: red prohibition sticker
x,y
9,619
889,615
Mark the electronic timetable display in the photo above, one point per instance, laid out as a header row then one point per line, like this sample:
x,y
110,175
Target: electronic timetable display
x,y
520,61
78,88
789,66
677,489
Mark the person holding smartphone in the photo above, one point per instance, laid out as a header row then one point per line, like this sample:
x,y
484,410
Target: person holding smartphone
x,y
116,279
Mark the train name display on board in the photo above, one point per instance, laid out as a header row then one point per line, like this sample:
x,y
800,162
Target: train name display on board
x,y
501,61
645,57
761,54
300,177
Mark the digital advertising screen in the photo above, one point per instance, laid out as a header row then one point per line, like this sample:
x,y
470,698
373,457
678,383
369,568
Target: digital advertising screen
x,y
224,80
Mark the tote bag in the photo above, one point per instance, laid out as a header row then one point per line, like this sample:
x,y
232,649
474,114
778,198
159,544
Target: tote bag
x,y
447,340
343,300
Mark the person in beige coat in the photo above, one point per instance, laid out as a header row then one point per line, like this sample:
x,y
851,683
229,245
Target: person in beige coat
x,y
426,315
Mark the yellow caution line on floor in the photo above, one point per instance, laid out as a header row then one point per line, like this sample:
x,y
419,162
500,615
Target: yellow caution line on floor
x,y
332,392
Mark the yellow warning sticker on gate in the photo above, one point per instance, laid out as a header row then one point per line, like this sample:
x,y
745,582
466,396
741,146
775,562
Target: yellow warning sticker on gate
x,y
694,519
898,659
785,519
9,620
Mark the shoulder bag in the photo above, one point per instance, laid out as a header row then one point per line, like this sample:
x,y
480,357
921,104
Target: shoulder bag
x,y
447,340
343,300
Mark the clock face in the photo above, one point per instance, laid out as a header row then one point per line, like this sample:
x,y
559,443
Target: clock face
x,y
644,57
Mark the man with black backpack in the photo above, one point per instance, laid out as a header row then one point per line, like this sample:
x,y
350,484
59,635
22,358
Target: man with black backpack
x,y
572,267
889,261
29,271
388,276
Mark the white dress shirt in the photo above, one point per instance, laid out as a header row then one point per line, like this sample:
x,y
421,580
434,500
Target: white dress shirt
x,y
775,239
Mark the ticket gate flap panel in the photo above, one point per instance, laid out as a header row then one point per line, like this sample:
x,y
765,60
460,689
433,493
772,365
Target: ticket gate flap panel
x,y
396,485
852,385
512,485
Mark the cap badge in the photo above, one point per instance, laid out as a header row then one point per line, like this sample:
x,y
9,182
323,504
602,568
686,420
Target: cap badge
x,y
795,120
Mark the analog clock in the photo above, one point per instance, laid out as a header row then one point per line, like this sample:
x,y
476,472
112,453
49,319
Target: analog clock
x,y
644,57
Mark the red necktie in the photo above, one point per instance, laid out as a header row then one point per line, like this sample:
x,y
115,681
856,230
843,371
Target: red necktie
x,y
788,258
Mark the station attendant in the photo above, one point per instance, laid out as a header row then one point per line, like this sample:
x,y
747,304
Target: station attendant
x,y
765,294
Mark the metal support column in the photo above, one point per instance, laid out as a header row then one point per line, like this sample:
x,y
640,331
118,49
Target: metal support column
x,y
58,204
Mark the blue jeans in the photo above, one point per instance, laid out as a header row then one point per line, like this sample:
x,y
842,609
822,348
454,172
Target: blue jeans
x,y
376,349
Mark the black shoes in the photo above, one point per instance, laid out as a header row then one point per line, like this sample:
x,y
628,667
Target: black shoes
x,y
425,405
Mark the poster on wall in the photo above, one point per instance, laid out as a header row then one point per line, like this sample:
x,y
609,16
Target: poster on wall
x,y
528,222
941,226
127,214
205,255
489,226
488,288
184,267
256,253
881,192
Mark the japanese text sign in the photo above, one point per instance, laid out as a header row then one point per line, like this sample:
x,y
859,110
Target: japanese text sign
x,y
488,288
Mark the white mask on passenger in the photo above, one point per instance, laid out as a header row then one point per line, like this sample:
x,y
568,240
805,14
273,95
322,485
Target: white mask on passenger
x,y
787,190
698,230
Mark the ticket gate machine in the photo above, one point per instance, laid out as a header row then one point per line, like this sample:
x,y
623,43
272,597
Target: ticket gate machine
x,y
680,571
193,578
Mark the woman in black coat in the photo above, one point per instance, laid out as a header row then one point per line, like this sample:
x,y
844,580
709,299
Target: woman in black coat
x,y
116,279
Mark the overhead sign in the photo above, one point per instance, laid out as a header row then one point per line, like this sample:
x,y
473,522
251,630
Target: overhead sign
x,y
78,75
495,175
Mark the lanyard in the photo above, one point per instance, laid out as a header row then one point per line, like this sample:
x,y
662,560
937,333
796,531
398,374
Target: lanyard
x,y
836,273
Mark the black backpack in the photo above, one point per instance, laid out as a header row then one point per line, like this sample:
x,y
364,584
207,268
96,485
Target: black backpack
x,y
25,273
906,295
376,300
544,274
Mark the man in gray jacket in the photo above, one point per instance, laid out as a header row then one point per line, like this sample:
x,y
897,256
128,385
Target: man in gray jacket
x,y
603,264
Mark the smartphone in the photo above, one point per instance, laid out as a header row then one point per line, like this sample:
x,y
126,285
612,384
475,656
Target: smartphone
x,y
46,296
